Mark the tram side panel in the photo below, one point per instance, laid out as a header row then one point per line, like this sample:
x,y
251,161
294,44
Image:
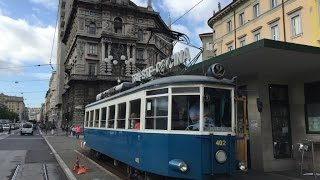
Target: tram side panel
x,y
151,152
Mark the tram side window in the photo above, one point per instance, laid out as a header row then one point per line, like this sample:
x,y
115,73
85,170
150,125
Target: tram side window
x,y
181,107
121,120
91,119
112,112
157,113
103,117
134,120
97,115
86,124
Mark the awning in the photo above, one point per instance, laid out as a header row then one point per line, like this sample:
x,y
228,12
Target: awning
x,y
266,57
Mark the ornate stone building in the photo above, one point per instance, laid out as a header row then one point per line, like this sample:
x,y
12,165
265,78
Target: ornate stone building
x,y
104,42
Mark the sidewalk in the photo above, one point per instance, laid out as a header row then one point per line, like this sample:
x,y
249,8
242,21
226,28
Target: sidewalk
x,y
66,150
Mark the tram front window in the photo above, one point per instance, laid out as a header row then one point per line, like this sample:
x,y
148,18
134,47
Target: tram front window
x,y
181,106
217,109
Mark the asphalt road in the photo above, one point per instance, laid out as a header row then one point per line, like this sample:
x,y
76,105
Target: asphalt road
x,y
31,153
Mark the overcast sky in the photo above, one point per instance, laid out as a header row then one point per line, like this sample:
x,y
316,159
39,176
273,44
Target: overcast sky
x,y
27,29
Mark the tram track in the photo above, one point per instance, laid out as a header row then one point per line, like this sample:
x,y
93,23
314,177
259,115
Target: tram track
x,y
19,170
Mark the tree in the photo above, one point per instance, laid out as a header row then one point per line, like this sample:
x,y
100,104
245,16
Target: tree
x,y
6,114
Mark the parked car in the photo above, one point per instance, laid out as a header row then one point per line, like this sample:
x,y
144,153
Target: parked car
x,y
1,128
6,127
27,128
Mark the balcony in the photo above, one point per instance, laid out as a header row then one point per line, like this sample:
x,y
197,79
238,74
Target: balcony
x,y
78,77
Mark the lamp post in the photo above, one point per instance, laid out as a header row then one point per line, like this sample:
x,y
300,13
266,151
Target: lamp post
x,y
118,66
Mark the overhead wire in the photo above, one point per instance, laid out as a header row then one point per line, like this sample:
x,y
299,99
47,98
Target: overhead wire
x,y
187,12
17,67
54,36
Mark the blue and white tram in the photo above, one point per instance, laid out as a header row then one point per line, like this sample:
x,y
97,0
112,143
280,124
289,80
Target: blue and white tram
x,y
149,127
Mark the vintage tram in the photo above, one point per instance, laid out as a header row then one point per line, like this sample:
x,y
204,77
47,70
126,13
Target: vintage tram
x,y
178,126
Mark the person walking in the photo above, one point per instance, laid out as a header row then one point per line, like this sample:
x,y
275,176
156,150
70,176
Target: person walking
x,y
78,129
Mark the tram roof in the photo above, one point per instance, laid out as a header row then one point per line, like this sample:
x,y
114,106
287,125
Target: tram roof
x,y
167,81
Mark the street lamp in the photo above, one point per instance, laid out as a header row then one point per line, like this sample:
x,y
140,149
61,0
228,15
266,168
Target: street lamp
x,y
117,64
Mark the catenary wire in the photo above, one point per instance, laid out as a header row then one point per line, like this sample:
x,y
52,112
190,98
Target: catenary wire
x,y
187,12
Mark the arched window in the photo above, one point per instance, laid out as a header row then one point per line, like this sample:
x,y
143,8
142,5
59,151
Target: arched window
x,y
140,35
118,25
92,28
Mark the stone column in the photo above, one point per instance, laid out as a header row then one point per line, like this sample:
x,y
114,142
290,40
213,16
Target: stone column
x,y
134,52
102,63
109,49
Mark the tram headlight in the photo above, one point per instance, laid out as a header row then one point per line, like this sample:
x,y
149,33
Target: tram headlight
x,y
242,166
178,165
221,156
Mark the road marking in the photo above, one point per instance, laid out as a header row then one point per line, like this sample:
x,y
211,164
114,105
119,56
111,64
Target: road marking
x,y
63,165
25,138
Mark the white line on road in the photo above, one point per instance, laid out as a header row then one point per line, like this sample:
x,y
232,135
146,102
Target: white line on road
x,y
63,165
25,138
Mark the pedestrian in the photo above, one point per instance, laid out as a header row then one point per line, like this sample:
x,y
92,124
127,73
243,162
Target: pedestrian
x,y
9,129
46,128
78,130
67,130
53,127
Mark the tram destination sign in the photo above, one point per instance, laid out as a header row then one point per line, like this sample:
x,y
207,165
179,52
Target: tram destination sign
x,y
165,64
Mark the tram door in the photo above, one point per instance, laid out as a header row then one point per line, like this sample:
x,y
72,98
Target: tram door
x,y
242,143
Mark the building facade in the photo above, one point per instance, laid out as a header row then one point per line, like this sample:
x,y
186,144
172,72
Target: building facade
x,y
272,46
102,44
51,112
14,104
245,21
207,44
34,114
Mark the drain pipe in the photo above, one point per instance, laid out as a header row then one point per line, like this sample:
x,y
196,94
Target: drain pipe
x,y
283,22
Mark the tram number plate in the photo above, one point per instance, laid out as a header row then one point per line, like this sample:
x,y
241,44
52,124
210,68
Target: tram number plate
x,y
221,142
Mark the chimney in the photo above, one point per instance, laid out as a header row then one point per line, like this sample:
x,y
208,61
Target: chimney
x,y
219,6
149,7
170,21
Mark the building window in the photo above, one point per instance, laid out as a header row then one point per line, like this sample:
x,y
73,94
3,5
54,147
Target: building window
x,y
257,37
209,46
256,10
242,42
296,25
229,26
230,48
273,3
118,25
140,35
91,29
92,69
92,13
280,121
275,33
139,54
312,107
241,19
92,49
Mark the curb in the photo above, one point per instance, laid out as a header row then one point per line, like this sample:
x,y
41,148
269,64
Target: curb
x,y
98,165
63,165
